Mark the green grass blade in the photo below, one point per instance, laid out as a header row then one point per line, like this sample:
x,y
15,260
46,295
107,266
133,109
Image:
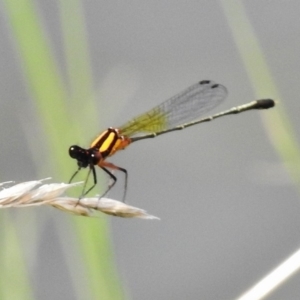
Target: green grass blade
x,y
14,271
40,71
277,123
93,235
49,93
79,73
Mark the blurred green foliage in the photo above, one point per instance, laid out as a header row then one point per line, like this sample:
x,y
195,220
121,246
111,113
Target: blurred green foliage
x,y
58,101
279,128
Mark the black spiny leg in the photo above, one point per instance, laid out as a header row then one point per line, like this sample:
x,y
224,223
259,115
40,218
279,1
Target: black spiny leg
x,y
92,168
125,183
106,165
113,177
73,176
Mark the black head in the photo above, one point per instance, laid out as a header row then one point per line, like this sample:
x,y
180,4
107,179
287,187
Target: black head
x,y
84,157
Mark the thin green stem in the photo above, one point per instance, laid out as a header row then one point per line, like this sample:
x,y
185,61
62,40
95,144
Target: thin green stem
x,y
276,122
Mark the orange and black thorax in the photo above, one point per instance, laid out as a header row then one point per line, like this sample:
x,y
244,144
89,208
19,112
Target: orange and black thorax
x,y
106,144
109,142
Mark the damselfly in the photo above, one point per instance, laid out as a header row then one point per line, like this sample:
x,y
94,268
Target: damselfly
x,y
181,111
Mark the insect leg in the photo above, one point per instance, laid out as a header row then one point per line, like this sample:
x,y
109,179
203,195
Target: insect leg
x,y
113,177
112,166
92,168
73,176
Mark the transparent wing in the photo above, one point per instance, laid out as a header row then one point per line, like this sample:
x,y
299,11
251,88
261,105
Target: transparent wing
x,y
184,107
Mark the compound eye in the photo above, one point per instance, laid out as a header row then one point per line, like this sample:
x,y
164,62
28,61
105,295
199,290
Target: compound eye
x,y
94,158
73,151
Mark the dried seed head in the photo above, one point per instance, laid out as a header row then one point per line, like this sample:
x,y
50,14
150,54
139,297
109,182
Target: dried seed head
x,y
31,194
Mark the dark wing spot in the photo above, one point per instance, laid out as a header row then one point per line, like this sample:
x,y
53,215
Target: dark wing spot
x,y
204,82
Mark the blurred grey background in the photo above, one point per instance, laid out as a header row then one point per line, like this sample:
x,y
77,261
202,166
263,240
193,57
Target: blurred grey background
x,y
229,212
